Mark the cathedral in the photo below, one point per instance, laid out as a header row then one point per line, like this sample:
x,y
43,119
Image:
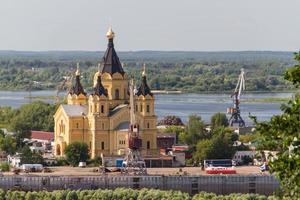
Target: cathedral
x,y
101,119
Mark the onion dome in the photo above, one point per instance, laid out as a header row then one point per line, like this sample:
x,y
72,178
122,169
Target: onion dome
x,y
77,88
98,87
111,63
144,89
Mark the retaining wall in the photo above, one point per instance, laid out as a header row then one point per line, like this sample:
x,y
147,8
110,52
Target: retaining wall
x,y
219,184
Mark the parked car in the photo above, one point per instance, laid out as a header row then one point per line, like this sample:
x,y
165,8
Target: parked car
x,y
82,164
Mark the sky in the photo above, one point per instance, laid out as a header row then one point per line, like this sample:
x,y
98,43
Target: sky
x,y
170,25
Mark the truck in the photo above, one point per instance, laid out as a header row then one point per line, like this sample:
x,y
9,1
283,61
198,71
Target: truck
x,y
32,167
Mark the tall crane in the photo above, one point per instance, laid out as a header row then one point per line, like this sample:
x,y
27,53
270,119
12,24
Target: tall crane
x,y
65,84
133,162
236,96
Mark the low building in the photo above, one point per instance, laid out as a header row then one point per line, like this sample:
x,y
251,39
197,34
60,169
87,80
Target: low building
x,y
179,158
162,161
14,161
239,156
182,149
244,130
166,140
44,138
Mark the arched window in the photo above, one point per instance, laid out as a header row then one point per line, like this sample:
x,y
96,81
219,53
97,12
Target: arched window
x,y
148,125
102,145
148,108
141,108
102,109
117,95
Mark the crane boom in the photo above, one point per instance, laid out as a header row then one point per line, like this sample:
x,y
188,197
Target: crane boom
x,y
235,110
132,112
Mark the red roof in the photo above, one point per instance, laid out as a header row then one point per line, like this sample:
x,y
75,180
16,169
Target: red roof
x,y
42,135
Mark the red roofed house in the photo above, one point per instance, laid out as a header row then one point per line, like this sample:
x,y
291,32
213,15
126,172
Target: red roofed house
x,y
43,137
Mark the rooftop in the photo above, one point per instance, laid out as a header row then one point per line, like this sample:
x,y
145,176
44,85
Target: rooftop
x,y
42,135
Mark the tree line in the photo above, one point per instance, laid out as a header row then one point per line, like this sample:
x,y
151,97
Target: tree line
x,y
125,194
188,73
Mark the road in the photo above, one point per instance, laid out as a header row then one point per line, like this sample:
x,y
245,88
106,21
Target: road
x,y
91,171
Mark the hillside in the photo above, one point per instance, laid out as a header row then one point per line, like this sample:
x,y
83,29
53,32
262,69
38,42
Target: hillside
x,y
186,71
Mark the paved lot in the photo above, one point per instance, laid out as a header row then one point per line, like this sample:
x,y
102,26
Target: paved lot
x,y
76,171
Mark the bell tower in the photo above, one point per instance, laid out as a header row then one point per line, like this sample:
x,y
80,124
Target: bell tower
x,y
77,95
98,103
114,78
144,109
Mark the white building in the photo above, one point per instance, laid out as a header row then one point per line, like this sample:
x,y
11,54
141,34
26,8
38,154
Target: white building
x,y
14,161
238,156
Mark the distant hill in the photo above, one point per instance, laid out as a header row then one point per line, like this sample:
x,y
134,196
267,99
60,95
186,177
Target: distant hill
x,y
159,56
167,70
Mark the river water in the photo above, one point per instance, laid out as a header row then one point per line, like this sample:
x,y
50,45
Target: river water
x,y
181,105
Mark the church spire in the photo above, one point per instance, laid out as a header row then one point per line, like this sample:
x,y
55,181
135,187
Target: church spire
x,y
144,89
77,88
111,63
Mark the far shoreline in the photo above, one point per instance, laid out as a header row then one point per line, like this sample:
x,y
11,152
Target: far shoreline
x,y
166,91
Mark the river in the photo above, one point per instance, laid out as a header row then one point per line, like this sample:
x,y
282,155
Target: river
x,y
181,105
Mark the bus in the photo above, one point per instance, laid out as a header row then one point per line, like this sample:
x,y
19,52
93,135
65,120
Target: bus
x,y
218,163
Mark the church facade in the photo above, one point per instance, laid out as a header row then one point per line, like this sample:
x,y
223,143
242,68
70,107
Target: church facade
x,y
101,119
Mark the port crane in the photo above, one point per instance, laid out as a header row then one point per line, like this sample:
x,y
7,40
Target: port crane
x,y
236,96
66,84
133,162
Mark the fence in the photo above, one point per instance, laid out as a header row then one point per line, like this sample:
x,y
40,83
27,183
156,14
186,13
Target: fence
x,y
219,184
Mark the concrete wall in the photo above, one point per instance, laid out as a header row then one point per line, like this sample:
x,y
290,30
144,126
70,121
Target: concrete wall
x,y
220,184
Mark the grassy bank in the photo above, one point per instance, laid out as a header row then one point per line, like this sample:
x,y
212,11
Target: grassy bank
x,y
267,100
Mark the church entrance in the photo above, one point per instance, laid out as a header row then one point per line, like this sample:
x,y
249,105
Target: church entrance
x,y
58,150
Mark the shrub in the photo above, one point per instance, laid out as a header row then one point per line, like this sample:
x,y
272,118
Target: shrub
x,y
127,194
96,162
62,162
2,194
72,195
5,167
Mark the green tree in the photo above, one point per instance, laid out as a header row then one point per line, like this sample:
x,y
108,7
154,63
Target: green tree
x,y
35,116
282,133
77,152
29,157
8,144
4,166
218,119
220,146
194,131
175,129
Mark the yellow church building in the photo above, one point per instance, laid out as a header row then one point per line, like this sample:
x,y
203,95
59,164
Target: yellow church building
x,y
101,119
